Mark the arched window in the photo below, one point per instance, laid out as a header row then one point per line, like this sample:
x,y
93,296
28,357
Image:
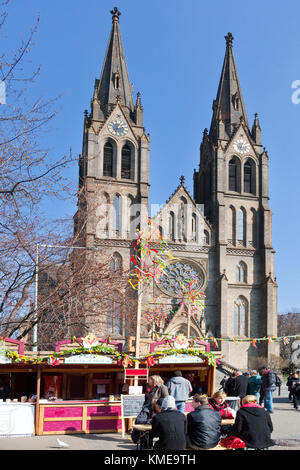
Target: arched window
x,y
116,263
206,237
126,162
182,219
241,272
254,223
240,317
114,317
108,159
116,216
249,177
194,227
232,239
172,226
242,225
233,175
105,220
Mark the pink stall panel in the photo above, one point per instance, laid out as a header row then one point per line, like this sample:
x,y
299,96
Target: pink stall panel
x,y
104,410
102,424
67,412
53,426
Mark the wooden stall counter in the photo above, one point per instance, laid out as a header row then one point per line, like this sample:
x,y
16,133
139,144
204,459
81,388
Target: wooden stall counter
x,y
79,417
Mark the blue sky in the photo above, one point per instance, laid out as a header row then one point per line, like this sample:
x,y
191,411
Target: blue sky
x,y
174,53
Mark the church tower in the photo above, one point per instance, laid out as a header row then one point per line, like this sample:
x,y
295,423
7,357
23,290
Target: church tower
x,y
113,167
232,184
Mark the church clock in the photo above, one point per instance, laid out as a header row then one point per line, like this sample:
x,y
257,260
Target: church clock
x,y
118,127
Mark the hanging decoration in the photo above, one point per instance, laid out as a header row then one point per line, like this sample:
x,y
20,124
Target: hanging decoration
x,y
148,264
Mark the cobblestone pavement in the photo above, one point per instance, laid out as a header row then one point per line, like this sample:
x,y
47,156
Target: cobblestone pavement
x,y
285,421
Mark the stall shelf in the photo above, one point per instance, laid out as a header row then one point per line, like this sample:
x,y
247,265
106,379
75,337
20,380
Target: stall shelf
x,y
82,417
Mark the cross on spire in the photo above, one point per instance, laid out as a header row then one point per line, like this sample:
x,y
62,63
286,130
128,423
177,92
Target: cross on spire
x,y
229,38
115,15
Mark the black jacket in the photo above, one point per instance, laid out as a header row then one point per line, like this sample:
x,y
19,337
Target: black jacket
x,y
241,386
170,427
254,426
268,381
229,386
204,427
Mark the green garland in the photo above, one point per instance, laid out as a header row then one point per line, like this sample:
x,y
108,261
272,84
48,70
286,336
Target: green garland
x,y
210,357
100,349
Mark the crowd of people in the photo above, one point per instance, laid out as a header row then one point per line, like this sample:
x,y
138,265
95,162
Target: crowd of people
x,y
262,385
204,427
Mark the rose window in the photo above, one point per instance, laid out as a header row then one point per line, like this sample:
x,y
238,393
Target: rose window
x,y
179,274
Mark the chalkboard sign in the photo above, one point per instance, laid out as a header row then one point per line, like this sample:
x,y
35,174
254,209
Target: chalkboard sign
x,y
131,406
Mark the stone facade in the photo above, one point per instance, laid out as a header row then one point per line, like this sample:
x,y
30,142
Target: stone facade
x,y
223,231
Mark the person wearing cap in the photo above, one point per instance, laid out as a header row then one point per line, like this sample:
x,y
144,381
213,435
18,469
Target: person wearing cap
x,y
169,425
179,388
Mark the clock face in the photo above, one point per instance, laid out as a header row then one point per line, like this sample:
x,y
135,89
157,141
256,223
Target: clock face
x,y
241,146
118,127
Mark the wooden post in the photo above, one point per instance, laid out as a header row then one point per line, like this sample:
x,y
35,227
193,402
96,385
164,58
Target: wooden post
x,y
138,328
189,322
37,404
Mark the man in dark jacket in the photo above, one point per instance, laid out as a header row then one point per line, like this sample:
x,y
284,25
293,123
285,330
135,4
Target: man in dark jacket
x,y
295,389
267,388
253,424
203,425
169,425
241,385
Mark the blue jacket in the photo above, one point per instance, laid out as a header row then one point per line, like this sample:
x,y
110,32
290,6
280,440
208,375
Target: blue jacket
x,y
179,388
254,384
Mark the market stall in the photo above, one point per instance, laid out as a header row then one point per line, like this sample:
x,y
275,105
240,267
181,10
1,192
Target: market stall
x,y
195,360
75,389
18,382
81,388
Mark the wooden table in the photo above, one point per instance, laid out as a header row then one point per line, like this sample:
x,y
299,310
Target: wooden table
x,y
144,430
225,422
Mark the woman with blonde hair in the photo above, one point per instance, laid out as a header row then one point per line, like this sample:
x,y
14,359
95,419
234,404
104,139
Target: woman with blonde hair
x,y
157,390
253,424
218,402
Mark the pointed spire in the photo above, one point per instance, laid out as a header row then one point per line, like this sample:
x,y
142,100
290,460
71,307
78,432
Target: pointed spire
x,y
229,104
256,131
114,79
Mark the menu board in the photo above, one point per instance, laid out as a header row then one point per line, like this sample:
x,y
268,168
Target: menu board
x,y
131,406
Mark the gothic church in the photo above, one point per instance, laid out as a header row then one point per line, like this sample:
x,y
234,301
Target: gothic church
x,y
222,233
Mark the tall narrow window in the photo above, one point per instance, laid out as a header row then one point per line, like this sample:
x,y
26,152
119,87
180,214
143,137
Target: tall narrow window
x,y
248,177
114,319
116,263
126,162
242,225
241,272
206,237
233,174
108,159
240,312
232,239
116,216
254,223
172,226
117,81
194,227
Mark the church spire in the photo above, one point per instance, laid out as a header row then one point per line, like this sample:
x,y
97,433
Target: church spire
x,y
114,81
229,104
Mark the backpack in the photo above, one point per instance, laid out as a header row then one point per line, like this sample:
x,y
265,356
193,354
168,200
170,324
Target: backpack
x,y
277,381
